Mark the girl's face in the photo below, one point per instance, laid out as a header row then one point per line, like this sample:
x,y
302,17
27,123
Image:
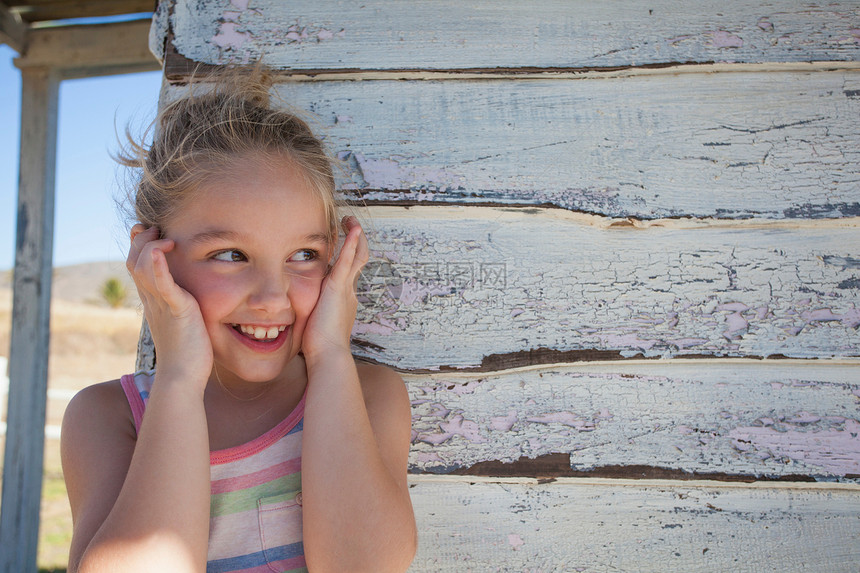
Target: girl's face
x,y
251,248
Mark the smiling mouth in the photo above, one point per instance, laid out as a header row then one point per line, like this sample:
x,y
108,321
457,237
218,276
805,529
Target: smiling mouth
x,y
261,333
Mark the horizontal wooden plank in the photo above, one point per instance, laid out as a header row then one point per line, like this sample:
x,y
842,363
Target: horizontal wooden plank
x,y
496,288
12,30
307,35
741,418
42,10
90,50
487,525
725,145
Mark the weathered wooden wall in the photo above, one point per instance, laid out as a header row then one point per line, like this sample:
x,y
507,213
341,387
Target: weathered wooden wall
x,y
616,257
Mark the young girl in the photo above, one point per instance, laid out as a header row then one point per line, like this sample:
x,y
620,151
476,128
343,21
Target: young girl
x,y
258,443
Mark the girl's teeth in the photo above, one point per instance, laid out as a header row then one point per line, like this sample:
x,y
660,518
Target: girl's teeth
x,y
261,332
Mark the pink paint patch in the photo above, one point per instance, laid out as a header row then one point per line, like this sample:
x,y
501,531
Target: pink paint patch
x,y
229,37
504,424
820,315
603,414
850,318
515,541
736,326
389,174
467,388
804,418
372,328
683,343
240,4
733,306
456,426
835,451
723,39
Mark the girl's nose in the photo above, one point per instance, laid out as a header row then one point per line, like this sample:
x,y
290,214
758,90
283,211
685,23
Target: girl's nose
x,y
271,292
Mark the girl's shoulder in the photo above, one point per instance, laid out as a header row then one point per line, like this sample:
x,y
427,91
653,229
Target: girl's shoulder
x,y
99,408
383,389
377,378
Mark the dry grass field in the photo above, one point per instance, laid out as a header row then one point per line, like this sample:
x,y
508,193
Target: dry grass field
x,y
90,342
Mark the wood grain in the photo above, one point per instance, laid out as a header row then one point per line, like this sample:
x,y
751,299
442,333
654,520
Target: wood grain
x,y
496,288
725,145
449,35
30,334
591,526
725,419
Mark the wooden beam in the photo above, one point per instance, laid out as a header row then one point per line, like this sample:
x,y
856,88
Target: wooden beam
x,y
28,368
48,10
87,51
13,31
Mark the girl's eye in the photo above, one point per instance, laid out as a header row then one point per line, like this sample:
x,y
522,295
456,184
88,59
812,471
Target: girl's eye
x,y
230,256
305,255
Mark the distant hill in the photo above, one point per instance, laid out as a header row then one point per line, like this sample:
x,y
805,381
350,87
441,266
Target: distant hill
x,y
82,283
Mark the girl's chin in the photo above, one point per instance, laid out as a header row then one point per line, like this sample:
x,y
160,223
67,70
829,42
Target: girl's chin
x,y
248,371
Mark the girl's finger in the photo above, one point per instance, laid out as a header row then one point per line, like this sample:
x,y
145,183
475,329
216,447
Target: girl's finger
x,y
343,266
172,294
362,253
140,236
142,269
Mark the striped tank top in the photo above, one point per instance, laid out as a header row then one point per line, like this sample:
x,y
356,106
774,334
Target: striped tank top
x,y
255,519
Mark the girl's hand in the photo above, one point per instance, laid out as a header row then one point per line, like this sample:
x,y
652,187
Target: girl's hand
x,y
330,324
181,341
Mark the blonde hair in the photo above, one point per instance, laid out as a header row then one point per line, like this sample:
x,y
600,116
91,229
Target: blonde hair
x,y
198,136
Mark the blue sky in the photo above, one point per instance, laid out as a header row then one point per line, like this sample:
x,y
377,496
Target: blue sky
x,y
87,226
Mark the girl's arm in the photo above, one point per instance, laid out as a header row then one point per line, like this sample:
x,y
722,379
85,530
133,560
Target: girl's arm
x,y
355,443
357,511
144,505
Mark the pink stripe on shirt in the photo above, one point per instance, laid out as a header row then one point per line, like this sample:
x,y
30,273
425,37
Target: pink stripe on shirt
x,y
257,478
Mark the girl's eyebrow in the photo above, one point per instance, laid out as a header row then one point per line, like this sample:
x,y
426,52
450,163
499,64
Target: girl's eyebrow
x,y
316,238
226,235
214,235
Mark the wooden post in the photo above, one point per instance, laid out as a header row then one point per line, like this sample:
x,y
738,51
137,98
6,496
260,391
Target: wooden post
x,y
28,369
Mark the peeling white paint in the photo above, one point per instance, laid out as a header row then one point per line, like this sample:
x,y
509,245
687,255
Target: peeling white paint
x,y
475,524
508,281
752,419
379,35
643,147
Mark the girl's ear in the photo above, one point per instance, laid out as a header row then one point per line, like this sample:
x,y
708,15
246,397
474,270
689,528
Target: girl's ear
x,y
136,230
140,228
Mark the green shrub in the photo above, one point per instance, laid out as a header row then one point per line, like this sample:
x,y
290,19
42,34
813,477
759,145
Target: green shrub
x,y
114,293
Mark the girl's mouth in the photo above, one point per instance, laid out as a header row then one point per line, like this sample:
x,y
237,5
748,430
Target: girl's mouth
x,y
263,339
261,333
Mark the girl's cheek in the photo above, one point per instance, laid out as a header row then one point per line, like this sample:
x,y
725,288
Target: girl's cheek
x,y
305,292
